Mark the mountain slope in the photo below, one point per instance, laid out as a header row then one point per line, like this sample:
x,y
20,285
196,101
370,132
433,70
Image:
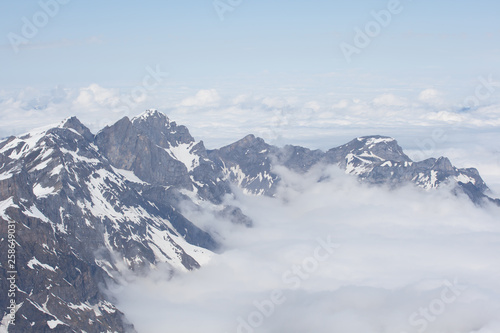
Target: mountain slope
x,y
174,167
78,219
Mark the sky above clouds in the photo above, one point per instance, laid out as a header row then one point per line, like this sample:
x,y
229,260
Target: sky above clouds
x,y
110,43
257,45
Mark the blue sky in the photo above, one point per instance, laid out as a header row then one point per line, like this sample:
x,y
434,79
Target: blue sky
x,y
110,42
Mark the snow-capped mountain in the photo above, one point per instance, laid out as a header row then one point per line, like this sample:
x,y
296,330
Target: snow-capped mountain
x,y
78,218
87,207
373,159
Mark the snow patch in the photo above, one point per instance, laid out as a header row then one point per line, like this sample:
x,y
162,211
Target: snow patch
x,y
370,154
53,323
6,204
79,158
434,178
34,212
56,170
28,141
6,175
374,141
40,191
34,262
129,175
182,153
464,179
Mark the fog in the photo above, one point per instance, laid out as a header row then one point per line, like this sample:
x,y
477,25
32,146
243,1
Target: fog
x,y
334,256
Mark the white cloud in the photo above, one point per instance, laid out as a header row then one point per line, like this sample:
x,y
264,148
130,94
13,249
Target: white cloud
x,y
431,96
203,98
279,102
241,99
313,105
94,105
313,121
95,94
398,250
389,100
342,104
446,116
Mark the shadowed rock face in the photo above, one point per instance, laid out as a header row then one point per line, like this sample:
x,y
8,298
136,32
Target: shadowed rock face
x,y
130,147
161,153
247,163
86,207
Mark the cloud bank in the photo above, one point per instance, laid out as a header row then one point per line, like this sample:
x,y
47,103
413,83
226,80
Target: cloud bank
x,y
273,117
335,256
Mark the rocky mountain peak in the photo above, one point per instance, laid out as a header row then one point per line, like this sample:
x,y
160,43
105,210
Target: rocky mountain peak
x,y
162,153
374,140
379,147
158,127
75,124
150,114
249,141
152,120
443,163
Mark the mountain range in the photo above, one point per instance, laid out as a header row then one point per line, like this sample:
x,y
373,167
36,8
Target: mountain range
x,y
88,207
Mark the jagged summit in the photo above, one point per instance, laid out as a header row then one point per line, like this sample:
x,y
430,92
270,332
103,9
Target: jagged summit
x,y
443,163
371,148
378,140
153,119
372,141
150,113
75,124
246,142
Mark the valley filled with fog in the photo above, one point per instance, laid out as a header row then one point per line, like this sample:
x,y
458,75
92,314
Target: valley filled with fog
x,y
329,254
